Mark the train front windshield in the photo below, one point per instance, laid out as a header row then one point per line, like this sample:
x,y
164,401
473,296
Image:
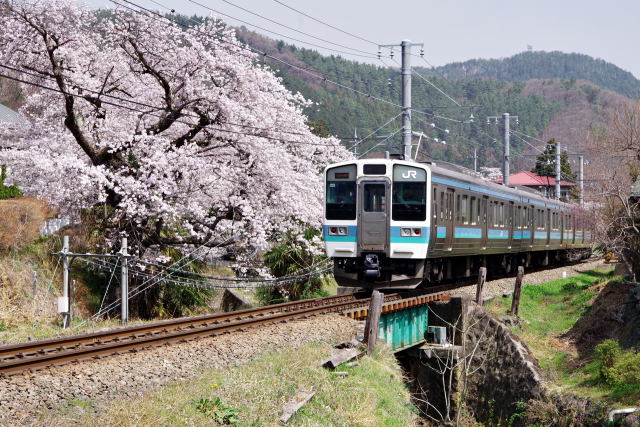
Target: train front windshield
x,y
341,195
409,194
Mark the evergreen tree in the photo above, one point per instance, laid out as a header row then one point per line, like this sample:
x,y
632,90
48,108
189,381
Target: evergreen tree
x,y
546,163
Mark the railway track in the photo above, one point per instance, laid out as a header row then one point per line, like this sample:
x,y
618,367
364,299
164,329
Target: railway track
x,y
36,355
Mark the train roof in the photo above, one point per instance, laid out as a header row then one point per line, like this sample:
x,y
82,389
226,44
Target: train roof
x,y
523,194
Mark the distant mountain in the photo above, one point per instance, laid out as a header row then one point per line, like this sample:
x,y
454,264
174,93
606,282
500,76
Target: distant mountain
x,y
546,65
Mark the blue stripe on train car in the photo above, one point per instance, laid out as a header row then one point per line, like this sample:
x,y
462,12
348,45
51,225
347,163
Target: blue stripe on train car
x,y
498,234
467,233
397,238
352,234
540,235
555,235
441,232
520,235
490,192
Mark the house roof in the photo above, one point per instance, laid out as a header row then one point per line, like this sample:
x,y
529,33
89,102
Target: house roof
x,y
7,115
531,179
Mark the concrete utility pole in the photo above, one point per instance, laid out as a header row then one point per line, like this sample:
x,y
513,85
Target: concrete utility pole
x,y
581,179
65,283
406,98
507,132
475,159
558,171
406,46
124,279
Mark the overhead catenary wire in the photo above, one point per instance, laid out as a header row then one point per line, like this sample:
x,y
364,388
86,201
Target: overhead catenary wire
x,y
442,92
41,86
143,104
381,142
290,28
326,24
369,56
314,73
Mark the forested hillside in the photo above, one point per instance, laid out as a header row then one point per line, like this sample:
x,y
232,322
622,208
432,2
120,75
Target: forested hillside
x,y
572,94
343,110
547,65
551,92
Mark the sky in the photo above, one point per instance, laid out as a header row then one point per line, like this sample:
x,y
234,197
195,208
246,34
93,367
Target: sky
x,y
452,31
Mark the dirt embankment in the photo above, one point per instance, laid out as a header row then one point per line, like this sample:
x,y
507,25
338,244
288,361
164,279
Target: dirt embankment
x,y
615,314
22,219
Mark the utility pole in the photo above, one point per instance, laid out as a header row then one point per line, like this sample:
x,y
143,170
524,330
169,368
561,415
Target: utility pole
x,y
355,141
558,171
475,159
64,307
405,45
507,132
581,179
124,279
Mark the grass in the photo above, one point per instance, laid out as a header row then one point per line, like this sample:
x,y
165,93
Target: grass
x,y
373,394
549,310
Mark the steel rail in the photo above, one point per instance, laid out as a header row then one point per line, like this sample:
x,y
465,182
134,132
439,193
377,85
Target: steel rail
x,y
39,354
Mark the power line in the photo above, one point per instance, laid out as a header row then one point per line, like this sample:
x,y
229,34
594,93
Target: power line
x,y
142,104
160,116
290,28
280,34
392,134
314,73
413,71
327,24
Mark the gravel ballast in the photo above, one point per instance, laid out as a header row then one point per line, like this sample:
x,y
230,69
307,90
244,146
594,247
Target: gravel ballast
x,y
500,287
26,398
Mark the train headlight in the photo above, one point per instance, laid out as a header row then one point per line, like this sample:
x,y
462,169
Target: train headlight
x,y
416,232
342,231
333,231
405,232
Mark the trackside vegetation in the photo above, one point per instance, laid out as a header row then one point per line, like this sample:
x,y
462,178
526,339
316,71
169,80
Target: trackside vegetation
x,y
253,394
549,310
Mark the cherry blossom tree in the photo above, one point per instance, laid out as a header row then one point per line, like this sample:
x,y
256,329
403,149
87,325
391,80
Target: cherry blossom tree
x,y
172,136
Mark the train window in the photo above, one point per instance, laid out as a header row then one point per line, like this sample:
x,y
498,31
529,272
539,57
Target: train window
x,y
341,192
374,169
483,211
473,211
569,223
464,210
409,194
434,204
374,198
501,215
517,223
442,206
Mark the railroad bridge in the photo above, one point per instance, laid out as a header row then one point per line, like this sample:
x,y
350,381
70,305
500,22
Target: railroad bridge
x,y
403,323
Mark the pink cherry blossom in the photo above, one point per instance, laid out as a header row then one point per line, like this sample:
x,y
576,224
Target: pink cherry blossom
x,y
214,145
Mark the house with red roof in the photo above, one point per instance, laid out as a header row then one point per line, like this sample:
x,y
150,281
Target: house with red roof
x,y
544,184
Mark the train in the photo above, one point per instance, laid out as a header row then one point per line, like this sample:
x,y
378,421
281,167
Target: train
x,y
391,223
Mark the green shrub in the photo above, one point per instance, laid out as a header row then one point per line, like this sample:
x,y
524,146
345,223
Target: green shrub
x,y
616,367
7,191
222,414
294,256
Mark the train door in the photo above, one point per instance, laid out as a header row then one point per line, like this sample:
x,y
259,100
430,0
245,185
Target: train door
x,y
450,208
373,216
530,223
547,216
510,223
484,218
